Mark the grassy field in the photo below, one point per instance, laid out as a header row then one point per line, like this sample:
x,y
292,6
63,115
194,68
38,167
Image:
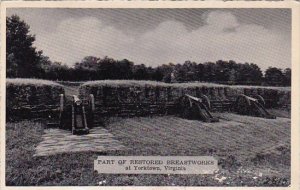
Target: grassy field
x,y
128,83
35,82
251,152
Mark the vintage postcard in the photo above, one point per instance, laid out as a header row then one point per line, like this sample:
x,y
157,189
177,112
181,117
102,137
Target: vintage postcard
x,y
150,95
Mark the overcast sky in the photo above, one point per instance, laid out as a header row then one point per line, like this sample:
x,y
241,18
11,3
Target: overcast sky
x,y
160,36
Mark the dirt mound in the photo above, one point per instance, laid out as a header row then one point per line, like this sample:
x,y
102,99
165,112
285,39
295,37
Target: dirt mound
x,y
31,98
131,98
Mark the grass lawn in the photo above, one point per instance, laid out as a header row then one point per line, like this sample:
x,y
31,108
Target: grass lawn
x,y
141,83
28,81
242,163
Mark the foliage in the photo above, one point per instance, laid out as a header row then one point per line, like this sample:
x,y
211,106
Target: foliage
x,y
275,77
22,57
24,61
222,72
287,77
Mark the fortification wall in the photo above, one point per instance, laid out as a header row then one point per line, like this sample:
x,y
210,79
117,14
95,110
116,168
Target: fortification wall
x,y
31,98
130,98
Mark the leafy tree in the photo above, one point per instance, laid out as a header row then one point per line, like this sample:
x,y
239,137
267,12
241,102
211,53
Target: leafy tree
x,y
256,73
140,72
186,72
232,76
22,58
209,72
88,63
274,76
58,71
161,73
87,68
287,73
223,71
249,74
157,74
124,69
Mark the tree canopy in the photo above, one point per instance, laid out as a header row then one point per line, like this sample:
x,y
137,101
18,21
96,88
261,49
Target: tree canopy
x,y
23,60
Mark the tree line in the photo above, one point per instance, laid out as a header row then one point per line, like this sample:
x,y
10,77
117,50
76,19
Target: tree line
x,y
24,61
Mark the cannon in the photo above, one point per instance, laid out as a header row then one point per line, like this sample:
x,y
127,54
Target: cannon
x,y
75,115
253,106
196,108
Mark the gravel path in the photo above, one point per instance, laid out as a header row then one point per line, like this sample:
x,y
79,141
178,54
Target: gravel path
x,y
57,141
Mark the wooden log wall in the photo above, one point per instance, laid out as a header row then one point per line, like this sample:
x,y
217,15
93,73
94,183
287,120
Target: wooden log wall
x,y
143,98
31,100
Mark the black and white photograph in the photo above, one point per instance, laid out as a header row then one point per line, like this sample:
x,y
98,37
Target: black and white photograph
x,y
179,97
